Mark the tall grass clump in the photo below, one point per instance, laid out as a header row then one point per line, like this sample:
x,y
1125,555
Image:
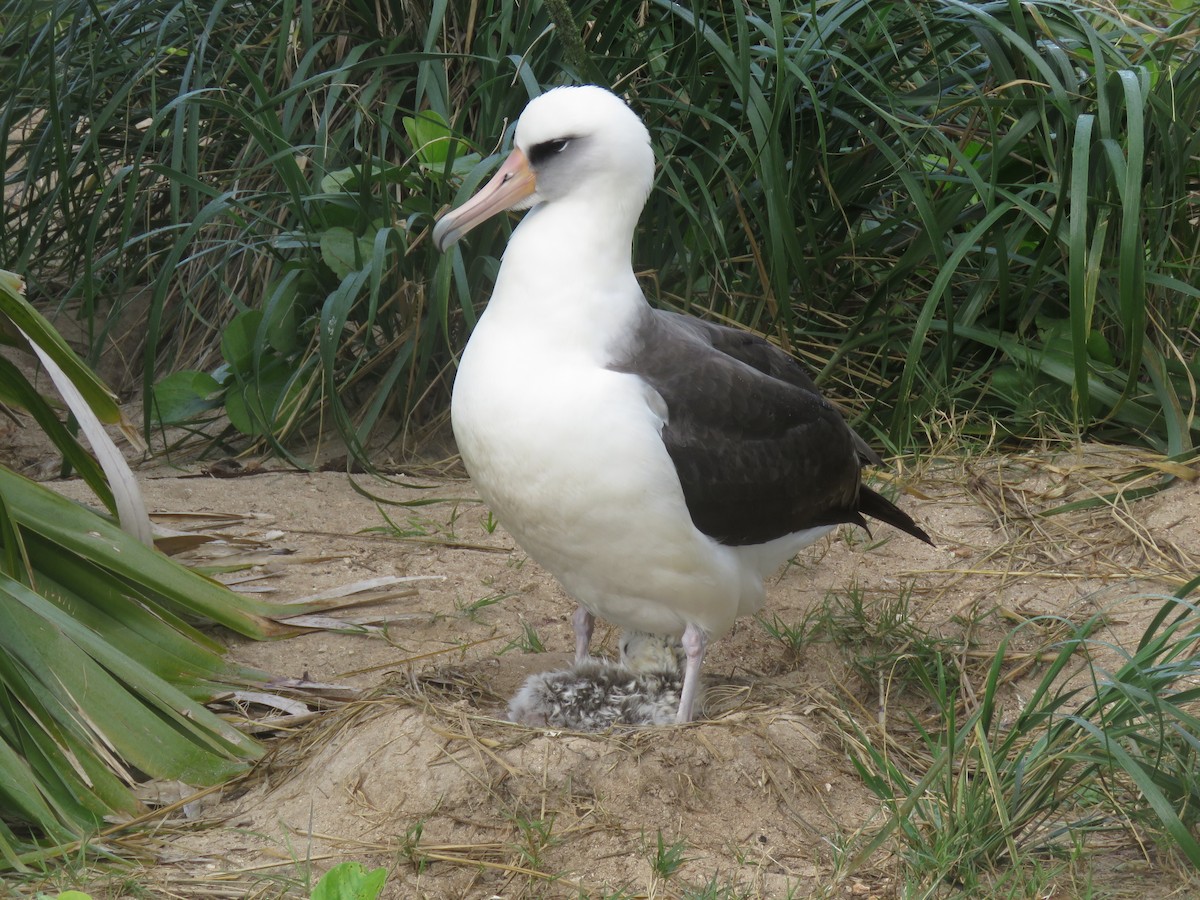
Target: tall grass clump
x,y
1097,747
253,183
974,207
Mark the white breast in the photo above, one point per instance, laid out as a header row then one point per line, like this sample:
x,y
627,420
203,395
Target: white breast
x,y
568,456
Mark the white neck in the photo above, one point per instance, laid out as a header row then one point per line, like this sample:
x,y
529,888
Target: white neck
x,y
567,278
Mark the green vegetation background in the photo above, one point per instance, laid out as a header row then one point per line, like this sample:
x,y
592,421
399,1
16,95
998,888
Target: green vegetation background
x,y
978,216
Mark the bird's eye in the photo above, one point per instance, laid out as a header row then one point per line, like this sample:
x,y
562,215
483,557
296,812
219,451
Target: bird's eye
x,y
539,153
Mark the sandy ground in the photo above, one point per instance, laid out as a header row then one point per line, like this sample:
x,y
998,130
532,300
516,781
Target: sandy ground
x,y
423,776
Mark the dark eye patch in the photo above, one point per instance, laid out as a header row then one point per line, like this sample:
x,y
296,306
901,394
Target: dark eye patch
x,y
539,153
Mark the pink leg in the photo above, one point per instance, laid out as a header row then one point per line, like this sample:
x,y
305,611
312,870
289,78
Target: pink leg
x,y
695,642
582,622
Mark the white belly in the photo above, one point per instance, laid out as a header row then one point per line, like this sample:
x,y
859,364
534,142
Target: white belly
x,y
568,456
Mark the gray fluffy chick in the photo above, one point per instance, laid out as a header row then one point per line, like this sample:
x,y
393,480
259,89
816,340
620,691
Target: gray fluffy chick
x,y
641,689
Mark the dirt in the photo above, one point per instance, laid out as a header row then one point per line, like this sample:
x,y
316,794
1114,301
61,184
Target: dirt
x,y
423,776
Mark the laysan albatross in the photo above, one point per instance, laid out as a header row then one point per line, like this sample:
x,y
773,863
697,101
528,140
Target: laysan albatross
x,y
659,466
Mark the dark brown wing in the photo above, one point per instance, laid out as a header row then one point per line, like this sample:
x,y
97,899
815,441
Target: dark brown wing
x,y
759,452
761,354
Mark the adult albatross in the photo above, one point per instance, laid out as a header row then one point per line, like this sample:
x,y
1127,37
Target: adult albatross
x,y
660,467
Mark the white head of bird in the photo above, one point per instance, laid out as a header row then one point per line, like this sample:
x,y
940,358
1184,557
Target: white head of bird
x,y
579,146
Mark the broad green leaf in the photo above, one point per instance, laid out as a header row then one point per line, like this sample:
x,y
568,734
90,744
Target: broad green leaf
x,y
263,403
351,179
282,314
344,252
239,341
432,142
1098,348
430,137
185,395
340,180
350,881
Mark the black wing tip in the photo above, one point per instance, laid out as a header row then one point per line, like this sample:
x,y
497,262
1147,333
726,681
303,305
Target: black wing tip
x,y
919,533
879,507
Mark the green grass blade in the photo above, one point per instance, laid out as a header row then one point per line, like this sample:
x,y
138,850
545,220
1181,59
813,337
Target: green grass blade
x,y
1082,304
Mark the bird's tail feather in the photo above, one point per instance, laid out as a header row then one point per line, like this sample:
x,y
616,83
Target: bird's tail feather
x,y
879,507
